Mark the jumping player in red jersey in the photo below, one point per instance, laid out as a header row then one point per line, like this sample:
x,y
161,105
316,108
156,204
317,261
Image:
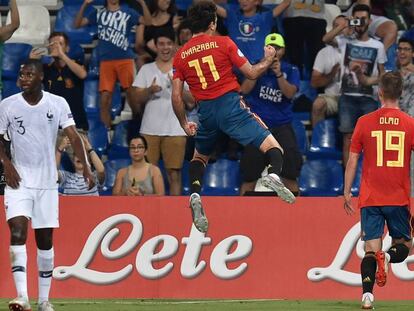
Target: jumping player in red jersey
x,y
206,64
386,138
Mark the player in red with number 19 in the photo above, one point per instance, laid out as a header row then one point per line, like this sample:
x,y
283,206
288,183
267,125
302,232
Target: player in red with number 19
x,y
206,64
386,138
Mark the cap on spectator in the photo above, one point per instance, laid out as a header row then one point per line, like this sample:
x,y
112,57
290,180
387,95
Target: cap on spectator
x,y
275,39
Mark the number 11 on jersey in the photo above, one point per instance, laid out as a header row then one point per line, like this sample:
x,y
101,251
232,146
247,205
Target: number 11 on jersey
x,y
212,66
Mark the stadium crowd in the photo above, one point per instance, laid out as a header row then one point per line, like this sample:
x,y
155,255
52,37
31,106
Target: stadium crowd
x,y
122,122
329,58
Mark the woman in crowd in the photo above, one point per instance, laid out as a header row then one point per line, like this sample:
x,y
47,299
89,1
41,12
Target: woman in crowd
x,y
141,177
73,183
163,15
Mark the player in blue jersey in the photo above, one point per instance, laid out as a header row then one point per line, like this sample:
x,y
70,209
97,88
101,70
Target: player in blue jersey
x,y
248,23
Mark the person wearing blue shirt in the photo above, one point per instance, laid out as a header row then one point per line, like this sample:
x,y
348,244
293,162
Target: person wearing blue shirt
x,y
248,23
116,56
270,98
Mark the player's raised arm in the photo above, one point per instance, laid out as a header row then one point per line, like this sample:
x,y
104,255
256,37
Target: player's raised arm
x,y
80,20
221,11
7,31
281,7
252,72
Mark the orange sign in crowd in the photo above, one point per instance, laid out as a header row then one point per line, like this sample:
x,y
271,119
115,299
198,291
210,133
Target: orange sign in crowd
x,y
146,247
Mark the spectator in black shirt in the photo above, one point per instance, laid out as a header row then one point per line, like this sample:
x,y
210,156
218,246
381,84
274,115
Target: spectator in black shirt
x,y
64,76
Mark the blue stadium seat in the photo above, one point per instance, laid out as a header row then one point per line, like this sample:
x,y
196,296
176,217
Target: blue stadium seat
x,y
301,116
116,104
164,176
326,141
119,145
93,68
185,177
99,138
222,178
111,168
9,88
76,52
91,98
64,22
94,121
306,89
357,179
79,2
14,54
321,178
300,134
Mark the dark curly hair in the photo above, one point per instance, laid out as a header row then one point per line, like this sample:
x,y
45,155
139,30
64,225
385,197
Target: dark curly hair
x,y
201,15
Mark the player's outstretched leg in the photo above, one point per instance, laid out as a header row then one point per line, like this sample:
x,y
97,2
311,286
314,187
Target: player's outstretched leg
x,y
199,218
273,182
382,268
20,304
45,306
197,166
367,301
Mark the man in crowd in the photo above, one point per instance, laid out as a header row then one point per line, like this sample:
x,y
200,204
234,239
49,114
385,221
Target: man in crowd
x,y
32,119
159,125
114,51
64,76
326,74
270,97
363,63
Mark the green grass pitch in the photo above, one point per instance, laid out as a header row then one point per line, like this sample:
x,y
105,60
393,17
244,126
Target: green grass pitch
x,y
216,305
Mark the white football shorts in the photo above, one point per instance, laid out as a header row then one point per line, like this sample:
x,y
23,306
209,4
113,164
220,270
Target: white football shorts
x,y
39,205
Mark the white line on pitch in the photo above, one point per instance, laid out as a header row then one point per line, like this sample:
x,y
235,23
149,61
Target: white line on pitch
x,y
137,302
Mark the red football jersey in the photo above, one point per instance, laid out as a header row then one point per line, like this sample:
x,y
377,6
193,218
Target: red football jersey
x,y
206,64
386,138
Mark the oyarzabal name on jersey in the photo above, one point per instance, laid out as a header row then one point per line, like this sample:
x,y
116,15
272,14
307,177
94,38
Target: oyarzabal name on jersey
x,y
198,48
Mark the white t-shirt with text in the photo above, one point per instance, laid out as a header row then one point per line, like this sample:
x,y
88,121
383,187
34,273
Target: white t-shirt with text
x,y
325,60
367,54
159,117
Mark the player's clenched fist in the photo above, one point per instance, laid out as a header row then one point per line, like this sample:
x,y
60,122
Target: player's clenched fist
x,y
11,175
269,51
190,128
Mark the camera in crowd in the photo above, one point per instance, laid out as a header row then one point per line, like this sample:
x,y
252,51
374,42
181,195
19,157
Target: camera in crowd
x,y
356,22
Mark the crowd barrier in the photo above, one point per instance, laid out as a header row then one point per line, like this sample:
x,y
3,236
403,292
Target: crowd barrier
x,y
256,247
